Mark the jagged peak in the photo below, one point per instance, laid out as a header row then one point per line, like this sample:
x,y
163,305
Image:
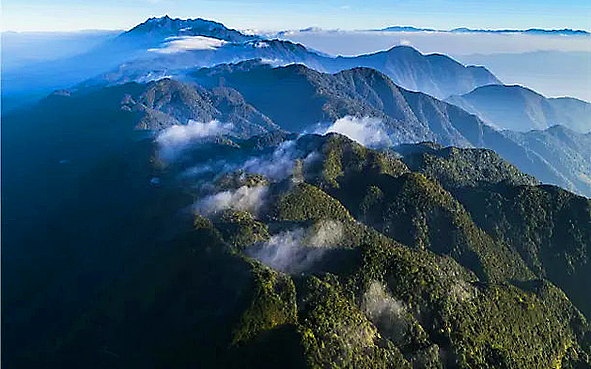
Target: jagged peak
x,y
166,26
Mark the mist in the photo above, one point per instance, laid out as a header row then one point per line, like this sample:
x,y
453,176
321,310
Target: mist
x,y
23,48
351,43
245,198
297,251
173,141
277,165
387,313
368,131
551,73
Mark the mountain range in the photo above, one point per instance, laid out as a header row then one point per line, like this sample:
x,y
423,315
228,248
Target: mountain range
x,y
148,51
205,208
406,116
533,31
353,257
521,109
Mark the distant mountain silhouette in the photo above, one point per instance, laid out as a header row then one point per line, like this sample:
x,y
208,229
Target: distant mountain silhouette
x,y
521,109
535,31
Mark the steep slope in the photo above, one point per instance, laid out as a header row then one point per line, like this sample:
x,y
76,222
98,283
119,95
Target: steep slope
x,y
567,151
520,109
549,227
77,172
411,209
456,168
78,207
308,286
297,97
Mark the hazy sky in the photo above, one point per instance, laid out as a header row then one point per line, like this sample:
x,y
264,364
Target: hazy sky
x,y
46,15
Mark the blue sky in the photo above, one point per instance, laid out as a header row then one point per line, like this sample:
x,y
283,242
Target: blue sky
x,y
65,15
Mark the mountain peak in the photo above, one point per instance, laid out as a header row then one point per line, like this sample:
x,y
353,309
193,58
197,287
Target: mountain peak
x,y
403,48
165,26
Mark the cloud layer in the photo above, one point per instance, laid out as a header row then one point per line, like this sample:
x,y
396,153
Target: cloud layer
x,y
350,43
187,43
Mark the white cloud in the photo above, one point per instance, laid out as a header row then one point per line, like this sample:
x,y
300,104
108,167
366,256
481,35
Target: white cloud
x,y
367,131
328,233
244,198
296,251
386,312
175,139
187,43
277,166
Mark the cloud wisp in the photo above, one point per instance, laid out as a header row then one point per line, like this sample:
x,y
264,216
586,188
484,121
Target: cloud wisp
x,y
386,312
367,131
276,166
188,43
178,138
297,251
245,198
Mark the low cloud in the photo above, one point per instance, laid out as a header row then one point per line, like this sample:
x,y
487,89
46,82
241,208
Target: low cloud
x,y
296,251
173,140
245,198
276,166
328,233
367,131
387,313
187,43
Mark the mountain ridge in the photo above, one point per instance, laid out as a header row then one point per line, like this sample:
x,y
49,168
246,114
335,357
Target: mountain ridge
x,y
167,27
408,116
363,227
141,54
522,109
330,310
534,31
169,215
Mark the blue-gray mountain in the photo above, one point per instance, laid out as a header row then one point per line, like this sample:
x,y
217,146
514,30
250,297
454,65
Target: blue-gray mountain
x,y
521,109
158,29
133,56
258,98
533,31
296,97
